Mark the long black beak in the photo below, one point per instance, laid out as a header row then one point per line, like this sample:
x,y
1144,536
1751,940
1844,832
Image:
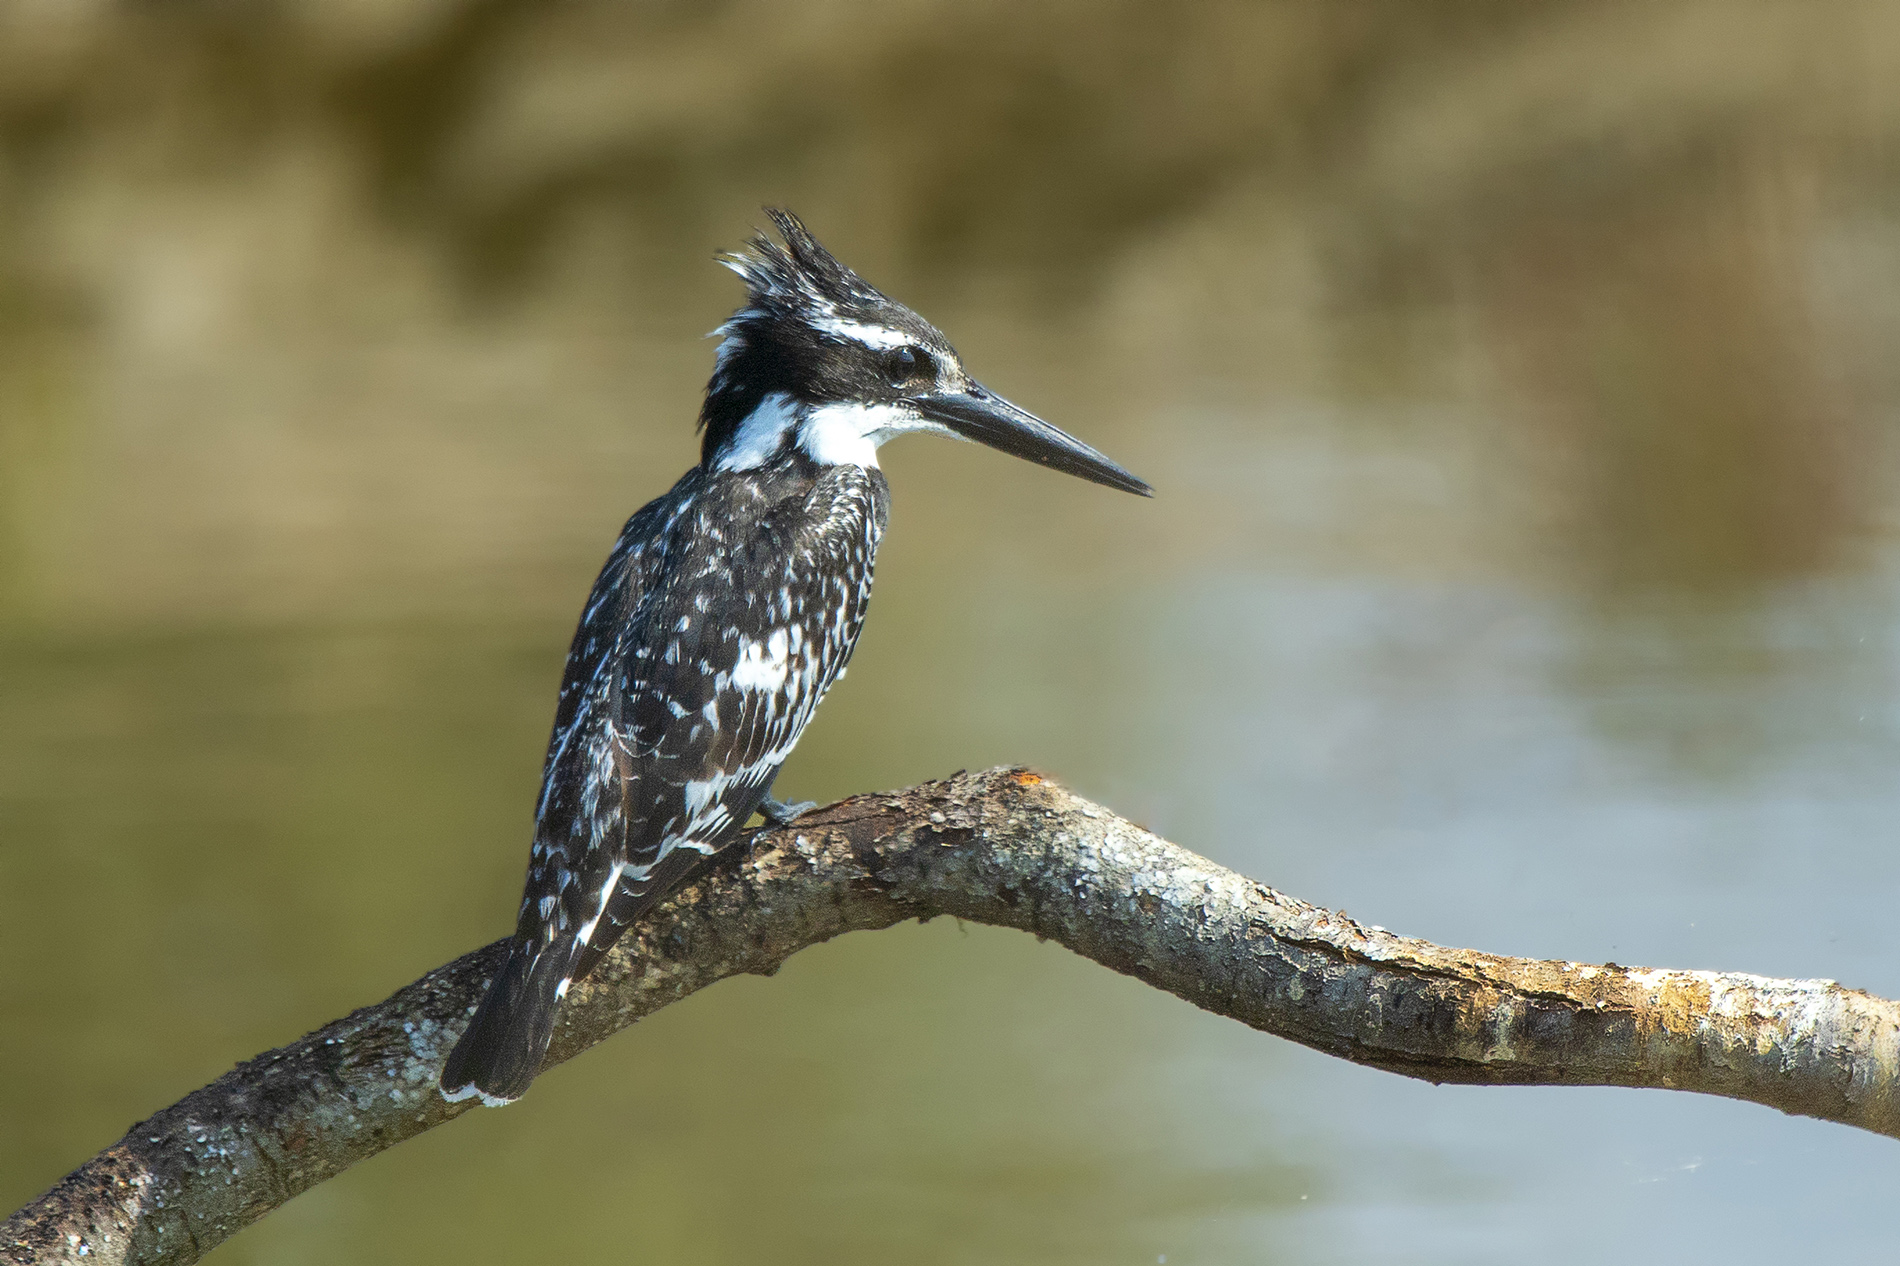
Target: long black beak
x,y
980,415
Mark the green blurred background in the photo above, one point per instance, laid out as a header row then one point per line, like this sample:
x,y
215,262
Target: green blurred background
x,y
1518,382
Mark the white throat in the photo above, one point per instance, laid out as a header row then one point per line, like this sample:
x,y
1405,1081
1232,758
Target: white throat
x,y
842,434
848,434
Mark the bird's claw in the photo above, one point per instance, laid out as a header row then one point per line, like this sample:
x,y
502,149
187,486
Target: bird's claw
x,y
779,813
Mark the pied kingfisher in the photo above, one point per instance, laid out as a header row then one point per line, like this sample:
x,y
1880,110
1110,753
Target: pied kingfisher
x,y
725,611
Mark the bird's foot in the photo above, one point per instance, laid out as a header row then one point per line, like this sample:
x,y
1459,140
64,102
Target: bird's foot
x,y
779,813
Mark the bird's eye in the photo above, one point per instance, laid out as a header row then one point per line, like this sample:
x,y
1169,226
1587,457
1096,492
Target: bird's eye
x,y
908,363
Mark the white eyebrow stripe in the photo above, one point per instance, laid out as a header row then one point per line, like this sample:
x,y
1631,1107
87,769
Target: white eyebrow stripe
x,y
882,337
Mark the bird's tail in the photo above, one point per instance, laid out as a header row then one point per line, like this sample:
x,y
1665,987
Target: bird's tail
x,y
501,1050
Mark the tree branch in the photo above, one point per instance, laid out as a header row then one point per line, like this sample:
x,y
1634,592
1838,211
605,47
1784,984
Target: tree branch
x,y
1007,848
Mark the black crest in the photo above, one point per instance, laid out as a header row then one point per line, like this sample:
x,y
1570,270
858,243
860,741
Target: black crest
x,y
801,274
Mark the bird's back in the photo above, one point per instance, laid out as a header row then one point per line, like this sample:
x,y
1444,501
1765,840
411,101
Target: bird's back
x,y
725,611
728,608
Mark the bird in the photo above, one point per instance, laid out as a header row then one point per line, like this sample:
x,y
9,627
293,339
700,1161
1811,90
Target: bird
x,y
726,609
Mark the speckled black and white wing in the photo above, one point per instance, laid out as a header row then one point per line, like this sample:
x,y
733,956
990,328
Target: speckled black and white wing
x,y
754,625
726,610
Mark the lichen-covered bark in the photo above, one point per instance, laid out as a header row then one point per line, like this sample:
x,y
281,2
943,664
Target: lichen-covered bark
x,y
1002,847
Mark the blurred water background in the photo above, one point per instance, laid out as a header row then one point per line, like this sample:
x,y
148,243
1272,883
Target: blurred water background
x,y
1518,382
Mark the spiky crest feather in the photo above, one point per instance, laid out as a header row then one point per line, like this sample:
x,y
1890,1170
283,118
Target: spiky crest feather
x,y
801,274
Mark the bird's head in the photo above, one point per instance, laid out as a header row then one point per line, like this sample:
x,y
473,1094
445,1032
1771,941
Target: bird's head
x,y
819,362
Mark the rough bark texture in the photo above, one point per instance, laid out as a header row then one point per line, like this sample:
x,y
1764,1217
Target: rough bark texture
x,y
1008,848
